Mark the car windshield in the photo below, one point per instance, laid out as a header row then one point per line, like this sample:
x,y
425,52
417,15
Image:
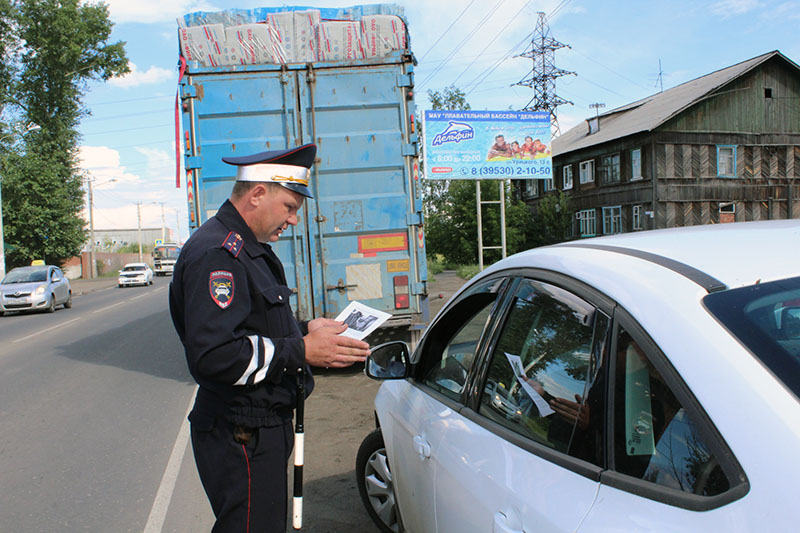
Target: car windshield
x,y
26,275
166,252
766,318
134,269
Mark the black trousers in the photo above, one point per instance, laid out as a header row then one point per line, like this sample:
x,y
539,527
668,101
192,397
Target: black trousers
x,y
245,483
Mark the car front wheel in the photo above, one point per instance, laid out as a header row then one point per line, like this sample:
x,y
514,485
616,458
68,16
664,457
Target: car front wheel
x,y
51,308
375,483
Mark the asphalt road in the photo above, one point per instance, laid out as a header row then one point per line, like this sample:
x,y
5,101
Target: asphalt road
x,y
93,405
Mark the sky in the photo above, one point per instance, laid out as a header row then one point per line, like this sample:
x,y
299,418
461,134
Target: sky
x,y
619,52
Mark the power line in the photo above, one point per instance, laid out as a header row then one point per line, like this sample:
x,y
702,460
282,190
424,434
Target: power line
x,y
510,20
459,45
447,30
488,72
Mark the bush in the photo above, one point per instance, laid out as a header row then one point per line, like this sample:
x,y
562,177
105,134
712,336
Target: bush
x,y
467,271
435,264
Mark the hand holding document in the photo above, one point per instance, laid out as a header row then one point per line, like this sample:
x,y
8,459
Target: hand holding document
x,y
519,371
361,320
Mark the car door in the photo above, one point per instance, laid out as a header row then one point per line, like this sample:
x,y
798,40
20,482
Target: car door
x,y
668,462
58,285
430,401
509,462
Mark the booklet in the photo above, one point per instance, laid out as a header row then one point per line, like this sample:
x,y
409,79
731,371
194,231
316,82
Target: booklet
x,y
361,319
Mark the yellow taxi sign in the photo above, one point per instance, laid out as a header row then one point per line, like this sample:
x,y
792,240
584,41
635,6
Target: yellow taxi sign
x,y
37,262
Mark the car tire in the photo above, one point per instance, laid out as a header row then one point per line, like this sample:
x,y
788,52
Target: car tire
x,y
375,486
68,303
51,307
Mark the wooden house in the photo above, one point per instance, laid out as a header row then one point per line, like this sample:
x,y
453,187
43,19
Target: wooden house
x,y
724,147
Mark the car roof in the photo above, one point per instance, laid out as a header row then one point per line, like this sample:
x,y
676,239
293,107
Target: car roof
x,y
135,265
736,254
33,267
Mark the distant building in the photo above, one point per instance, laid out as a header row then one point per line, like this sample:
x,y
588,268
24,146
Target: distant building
x,y
111,240
721,148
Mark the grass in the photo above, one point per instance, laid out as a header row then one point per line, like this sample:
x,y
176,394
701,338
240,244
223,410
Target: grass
x,y
437,265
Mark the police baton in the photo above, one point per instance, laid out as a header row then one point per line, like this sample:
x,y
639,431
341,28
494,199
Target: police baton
x,y
297,502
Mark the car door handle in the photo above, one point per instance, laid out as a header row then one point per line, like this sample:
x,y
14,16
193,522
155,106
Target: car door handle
x,y
422,447
501,524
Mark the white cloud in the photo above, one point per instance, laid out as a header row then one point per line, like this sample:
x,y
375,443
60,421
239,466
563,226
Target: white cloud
x,y
729,8
103,164
136,77
149,11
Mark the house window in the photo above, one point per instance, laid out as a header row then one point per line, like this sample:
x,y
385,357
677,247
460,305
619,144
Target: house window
x,y
726,161
609,169
587,171
612,220
566,173
767,92
637,217
531,188
587,225
636,164
594,125
548,184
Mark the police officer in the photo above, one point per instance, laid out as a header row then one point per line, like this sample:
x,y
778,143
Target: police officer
x,y
230,306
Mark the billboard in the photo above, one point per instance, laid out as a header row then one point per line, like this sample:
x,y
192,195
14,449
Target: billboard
x,y
487,145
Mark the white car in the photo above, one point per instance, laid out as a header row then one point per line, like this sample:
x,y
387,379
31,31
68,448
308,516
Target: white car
x,y
656,376
135,274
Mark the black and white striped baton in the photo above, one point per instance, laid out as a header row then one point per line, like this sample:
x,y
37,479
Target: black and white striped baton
x,y
299,445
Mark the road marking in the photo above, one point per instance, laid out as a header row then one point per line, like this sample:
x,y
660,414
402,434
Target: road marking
x,y
140,296
161,504
108,307
46,330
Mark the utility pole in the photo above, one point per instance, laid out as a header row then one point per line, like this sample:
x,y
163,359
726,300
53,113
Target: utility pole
x,y
92,261
542,78
177,227
139,214
163,225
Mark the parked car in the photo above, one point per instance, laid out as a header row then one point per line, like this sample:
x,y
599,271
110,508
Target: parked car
x,y
657,376
32,288
135,274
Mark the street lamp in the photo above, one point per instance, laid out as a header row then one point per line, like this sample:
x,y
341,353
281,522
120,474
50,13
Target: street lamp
x,y
28,128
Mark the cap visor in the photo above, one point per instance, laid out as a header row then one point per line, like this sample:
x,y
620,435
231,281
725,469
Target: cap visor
x,y
299,189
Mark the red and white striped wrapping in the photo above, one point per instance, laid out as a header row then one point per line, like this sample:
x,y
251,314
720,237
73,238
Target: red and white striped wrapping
x,y
340,39
305,35
253,44
206,45
382,34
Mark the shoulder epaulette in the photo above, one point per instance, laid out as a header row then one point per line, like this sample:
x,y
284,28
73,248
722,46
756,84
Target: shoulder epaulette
x,y
233,243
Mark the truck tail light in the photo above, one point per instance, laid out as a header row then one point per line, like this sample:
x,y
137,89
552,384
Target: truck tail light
x,y
401,297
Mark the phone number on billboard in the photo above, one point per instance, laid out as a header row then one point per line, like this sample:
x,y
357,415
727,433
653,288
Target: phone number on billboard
x,y
507,171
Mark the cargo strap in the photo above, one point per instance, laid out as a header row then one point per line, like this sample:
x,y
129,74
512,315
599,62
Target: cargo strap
x,y
178,127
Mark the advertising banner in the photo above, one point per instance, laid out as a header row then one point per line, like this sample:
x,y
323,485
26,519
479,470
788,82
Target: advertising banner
x,y
487,145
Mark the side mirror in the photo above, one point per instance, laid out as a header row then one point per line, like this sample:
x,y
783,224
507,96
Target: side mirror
x,y
388,361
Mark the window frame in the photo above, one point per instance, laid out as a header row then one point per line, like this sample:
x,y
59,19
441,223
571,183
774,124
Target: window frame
x,y
720,148
636,165
617,216
589,294
532,188
636,218
589,164
584,219
564,177
607,164
646,489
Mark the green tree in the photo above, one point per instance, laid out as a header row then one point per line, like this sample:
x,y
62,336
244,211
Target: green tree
x,y
54,49
451,208
552,221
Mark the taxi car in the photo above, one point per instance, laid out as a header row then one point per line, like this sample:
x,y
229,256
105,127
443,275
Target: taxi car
x,y
655,376
35,288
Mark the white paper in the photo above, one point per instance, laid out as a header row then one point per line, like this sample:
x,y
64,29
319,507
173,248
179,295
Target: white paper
x,y
519,371
361,319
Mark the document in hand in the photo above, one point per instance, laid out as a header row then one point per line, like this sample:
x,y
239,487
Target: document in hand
x,y
361,320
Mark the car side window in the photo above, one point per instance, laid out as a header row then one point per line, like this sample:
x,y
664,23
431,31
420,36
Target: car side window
x,y
544,379
656,438
450,346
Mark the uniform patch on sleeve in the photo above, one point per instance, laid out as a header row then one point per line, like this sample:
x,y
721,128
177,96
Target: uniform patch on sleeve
x,y
233,243
220,285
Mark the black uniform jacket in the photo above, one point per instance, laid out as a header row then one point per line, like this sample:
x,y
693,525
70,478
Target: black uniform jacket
x,y
230,306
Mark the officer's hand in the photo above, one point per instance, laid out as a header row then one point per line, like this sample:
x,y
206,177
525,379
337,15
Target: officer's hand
x,y
325,347
322,322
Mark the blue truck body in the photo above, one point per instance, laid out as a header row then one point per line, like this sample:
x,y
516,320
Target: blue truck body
x,y
361,236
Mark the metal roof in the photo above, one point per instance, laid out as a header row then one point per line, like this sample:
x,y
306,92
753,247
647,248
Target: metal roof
x,y
649,113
